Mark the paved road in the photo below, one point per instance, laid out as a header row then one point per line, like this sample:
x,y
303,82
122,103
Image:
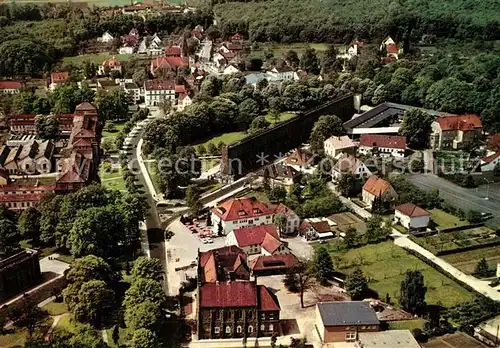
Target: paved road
x,y
466,199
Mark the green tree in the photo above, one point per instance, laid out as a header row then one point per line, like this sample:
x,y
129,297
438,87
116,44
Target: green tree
x,y
310,62
89,69
258,123
144,290
325,127
27,315
212,149
248,111
9,238
47,127
413,293
323,265
143,338
346,184
351,238
29,224
193,200
292,59
146,268
329,62
144,315
356,284
300,278
280,221
277,194
113,105
416,128
94,302
482,268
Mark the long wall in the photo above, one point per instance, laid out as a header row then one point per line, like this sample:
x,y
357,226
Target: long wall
x,y
264,147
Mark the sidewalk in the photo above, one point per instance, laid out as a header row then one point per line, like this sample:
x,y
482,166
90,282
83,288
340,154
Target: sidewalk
x,y
145,173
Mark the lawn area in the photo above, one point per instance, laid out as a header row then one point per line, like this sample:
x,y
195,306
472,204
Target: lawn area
x,y
226,138
13,338
280,49
407,324
445,220
56,308
466,261
152,169
386,264
284,116
112,180
118,128
95,58
122,341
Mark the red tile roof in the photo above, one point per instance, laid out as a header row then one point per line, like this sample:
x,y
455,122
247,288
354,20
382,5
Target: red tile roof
x,y
236,36
59,76
111,63
10,85
459,122
169,62
411,210
215,264
493,143
267,300
254,235
157,85
275,262
234,46
270,243
86,106
392,48
321,226
228,294
491,158
283,209
376,186
300,157
180,89
241,208
173,51
386,141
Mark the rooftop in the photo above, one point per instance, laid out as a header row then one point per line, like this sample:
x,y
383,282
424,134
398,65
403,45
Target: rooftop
x,y
388,339
241,208
255,235
342,142
412,210
385,141
347,313
459,122
376,186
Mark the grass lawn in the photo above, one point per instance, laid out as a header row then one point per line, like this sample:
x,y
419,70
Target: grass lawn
x,y
56,308
97,58
13,338
386,264
284,116
118,128
466,261
112,180
226,138
407,324
152,169
280,49
445,220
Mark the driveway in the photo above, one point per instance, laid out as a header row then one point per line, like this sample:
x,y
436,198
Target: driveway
x,y
463,198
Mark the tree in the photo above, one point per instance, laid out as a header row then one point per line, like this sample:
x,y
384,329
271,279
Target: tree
x,y
323,265
346,184
482,268
376,229
280,221
292,58
258,123
144,315
295,97
144,289
330,62
379,95
248,111
300,277
413,293
146,268
47,127
89,69
212,149
356,284
310,61
351,239
9,238
277,194
143,338
113,105
193,200
325,127
28,315
416,128
115,336
29,224
94,302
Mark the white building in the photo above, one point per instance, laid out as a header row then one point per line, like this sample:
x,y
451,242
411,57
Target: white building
x,y
263,239
292,219
126,49
230,69
411,216
335,145
489,163
281,73
105,38
156,91
347,164
109,65
383,145
184,101
240,212
377,188
132,90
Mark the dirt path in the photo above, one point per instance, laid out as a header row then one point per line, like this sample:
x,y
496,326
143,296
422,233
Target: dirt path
x,y
54,324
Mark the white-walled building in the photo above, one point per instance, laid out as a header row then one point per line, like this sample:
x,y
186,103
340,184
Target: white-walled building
x,y
109,65
263,239
383,145
489,163
411,216
347,164
335,145
105,38
377,188
281,73
156,91
132,90
292,219
240,212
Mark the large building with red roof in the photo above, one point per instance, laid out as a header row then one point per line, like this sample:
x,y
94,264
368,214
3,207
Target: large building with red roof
x,y
237,309
388,145
222,264
261,239
240,212
455,131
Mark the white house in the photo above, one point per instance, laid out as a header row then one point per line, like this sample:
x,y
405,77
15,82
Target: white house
x,y
10,87
411,216
240,212
489,163
383,145
230,69
184,101
105,38
126,49
351,51
111,64
377,188
292,219
263,239
335,145
132,90
347,164
281,73
156,91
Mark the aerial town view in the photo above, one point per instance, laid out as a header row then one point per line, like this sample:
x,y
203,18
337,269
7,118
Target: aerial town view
x,y
261,173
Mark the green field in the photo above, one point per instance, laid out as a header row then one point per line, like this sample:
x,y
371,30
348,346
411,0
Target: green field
x,y
445,220
279,50
91,3
407,324
56,308
386,264
112,180
466,261
226,138
284,116
95,58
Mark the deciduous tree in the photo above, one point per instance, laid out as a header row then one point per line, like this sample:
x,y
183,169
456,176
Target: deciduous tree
x,y
413,292
323,265
416,128
147,268
356,284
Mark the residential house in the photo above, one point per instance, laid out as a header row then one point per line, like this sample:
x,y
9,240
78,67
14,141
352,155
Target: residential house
x,y
109,65
236,310
168,65
262,239
352,50
106,38
231,69
272,264
455,132
58,78
240,212
343,321
283,73
493,144
151,46
387,339
129,42
378,191
108,85
347,164
491,162
222,264
236,38
133,91
279,175
11,87
316,228
157,91
301,160
411,216
184,101
391,48
336,145
383,145
300,75
292,219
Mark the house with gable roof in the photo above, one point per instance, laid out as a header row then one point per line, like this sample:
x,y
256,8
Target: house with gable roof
x,y
262,239
383,145
378,190
292,219
455,131
106,38
11,87
411,216
109,65
58,78
391,48
347,164
228,263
